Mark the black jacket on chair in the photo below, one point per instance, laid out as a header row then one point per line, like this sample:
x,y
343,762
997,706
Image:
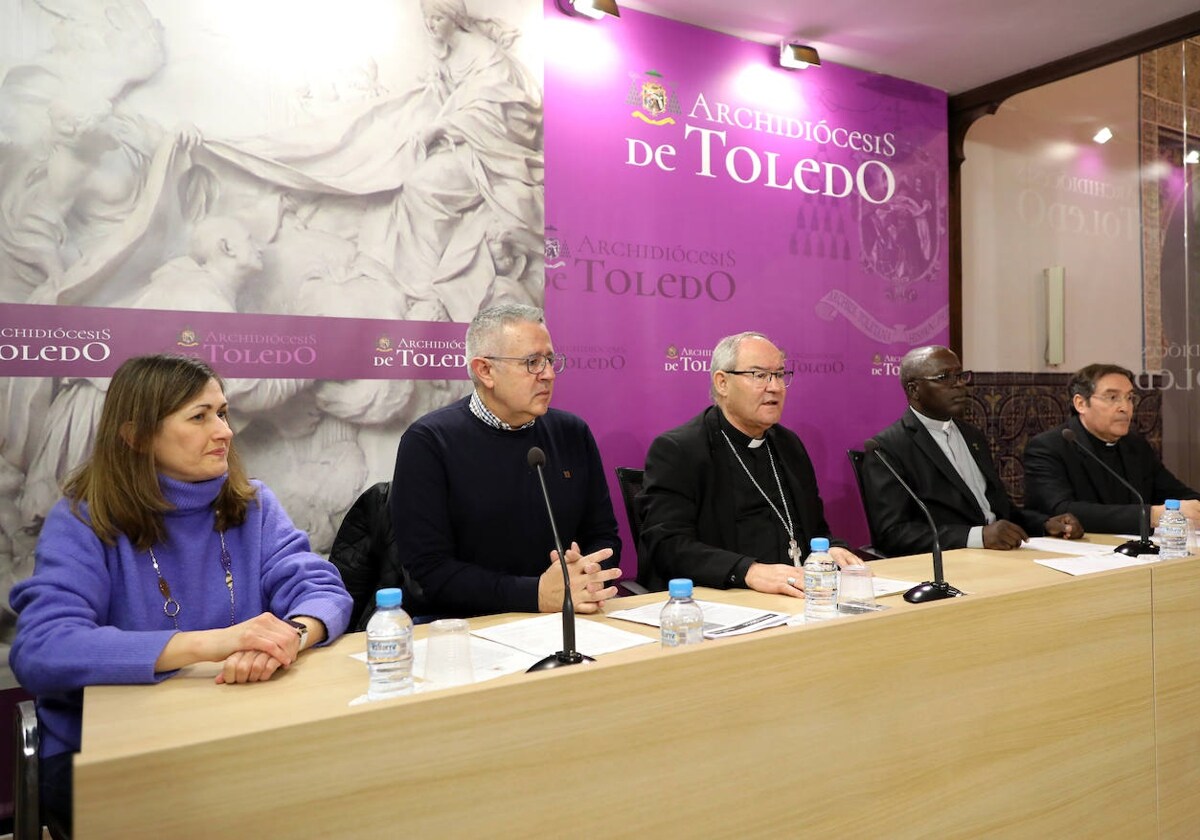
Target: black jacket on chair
x,y
364,552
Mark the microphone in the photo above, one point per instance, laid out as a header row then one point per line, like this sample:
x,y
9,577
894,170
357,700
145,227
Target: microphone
x,y
1131,548
930,590
568,655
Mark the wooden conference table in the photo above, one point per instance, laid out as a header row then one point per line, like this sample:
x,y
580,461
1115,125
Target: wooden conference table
x,y
1041,705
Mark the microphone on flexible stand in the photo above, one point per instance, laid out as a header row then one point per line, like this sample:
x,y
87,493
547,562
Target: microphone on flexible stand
x,y
930,590
568,655
1131,548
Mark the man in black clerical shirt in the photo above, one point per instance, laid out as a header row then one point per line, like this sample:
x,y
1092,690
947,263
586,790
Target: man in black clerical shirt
x,y
948,464
1059,478
730,497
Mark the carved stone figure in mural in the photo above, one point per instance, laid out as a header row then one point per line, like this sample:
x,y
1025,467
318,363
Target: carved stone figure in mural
x,y
518,278
222,256
418,179
73,160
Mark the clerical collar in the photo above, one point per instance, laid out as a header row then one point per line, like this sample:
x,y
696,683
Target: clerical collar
x,y
931,424
481,411
739,437
1097,441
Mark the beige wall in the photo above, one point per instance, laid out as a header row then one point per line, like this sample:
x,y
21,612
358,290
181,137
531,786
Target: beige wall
x,y
1036,192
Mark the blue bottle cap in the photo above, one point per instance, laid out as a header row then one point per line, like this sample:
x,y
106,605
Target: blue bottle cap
x,y
1172,504
819,544
679,588
386,598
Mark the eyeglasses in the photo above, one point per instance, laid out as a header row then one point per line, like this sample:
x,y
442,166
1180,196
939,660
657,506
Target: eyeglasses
x,y
961,377
536,363
1131,399
762,377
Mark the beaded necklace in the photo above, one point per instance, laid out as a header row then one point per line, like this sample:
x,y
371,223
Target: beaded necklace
x,y
171,606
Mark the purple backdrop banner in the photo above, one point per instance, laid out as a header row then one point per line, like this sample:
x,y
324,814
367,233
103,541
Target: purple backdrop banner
x,y
696,190
90,341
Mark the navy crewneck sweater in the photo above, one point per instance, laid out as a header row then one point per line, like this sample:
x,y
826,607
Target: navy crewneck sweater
x,y
468,513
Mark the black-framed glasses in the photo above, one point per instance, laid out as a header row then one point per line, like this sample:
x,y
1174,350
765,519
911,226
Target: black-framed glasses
x,y
762,377
537,362
959,377
1131,399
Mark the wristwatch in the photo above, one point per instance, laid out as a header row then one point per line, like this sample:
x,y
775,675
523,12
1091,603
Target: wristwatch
x,y
301,631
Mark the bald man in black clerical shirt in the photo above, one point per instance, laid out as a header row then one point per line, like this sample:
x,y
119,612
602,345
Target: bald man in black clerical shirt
x,y
947,463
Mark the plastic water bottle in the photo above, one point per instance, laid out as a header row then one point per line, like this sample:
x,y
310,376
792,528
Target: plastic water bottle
x,y
681,620
820,582
389,647
1172,532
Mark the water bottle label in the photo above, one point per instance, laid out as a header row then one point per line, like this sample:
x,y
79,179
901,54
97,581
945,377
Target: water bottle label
x,y
820,582
684,635
387,649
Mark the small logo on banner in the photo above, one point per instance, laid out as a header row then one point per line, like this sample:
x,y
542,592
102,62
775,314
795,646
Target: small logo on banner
x,y
383,344
686,359
651,98
187,338
556,250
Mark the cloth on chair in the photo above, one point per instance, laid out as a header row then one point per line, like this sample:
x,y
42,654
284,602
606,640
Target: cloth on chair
x,y
364,552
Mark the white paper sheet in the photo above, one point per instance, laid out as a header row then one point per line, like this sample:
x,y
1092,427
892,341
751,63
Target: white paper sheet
x,y
1073,547
542,635
891,586
1096,563
488,660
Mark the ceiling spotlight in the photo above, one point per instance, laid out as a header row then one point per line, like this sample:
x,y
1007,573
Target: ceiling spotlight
x,y
1192,157
1103,135
797,56
594,9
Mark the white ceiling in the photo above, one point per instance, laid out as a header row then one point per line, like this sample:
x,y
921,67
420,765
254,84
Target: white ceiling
x,y
954,45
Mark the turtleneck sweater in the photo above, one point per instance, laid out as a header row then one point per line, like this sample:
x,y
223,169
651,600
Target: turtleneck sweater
x,y
92,614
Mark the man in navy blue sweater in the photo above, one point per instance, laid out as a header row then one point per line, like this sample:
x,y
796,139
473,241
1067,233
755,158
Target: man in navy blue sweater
x,y
470,522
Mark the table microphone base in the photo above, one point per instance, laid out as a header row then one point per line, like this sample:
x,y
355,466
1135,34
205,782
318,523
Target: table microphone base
x,y
560,659
1135,547
930,591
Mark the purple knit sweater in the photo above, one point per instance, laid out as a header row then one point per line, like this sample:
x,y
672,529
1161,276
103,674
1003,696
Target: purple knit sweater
x,y
92,614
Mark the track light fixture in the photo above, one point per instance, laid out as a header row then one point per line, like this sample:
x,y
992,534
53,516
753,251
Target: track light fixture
x,y
797,56
594,9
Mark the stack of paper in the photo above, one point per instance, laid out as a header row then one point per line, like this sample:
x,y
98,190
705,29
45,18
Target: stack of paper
x,y
720,620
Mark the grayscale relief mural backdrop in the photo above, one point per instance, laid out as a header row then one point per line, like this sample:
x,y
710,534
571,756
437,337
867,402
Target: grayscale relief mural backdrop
x,y
364,158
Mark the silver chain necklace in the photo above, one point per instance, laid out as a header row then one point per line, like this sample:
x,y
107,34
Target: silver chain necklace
x,y
171,606
793,546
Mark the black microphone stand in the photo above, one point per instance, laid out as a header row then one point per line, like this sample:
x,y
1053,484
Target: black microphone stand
x,y
1130,548
931,590
568,655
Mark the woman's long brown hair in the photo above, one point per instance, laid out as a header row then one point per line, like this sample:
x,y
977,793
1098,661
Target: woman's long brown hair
x,y
119,482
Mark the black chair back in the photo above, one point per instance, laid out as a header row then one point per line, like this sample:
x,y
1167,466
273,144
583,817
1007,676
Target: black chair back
x,y
365,554
857,456
629,480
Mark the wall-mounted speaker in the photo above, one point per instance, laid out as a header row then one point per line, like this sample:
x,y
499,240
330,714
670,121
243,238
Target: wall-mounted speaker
x,y
1055,315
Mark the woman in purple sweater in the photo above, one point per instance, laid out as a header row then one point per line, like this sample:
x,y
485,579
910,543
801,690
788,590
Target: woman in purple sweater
x,y
163,554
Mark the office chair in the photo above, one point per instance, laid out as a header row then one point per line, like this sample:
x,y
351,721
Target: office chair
x,y
27,818
857,456
630,482
365,554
